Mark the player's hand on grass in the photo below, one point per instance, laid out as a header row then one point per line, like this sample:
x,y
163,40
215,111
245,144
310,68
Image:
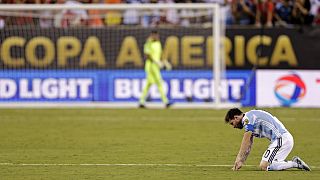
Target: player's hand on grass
x,y
237,165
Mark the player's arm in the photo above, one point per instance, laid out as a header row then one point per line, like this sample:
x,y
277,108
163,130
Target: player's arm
x,y
147,51
148,55
244,151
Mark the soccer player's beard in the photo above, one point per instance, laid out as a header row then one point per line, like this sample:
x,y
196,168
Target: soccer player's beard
x,y
239,125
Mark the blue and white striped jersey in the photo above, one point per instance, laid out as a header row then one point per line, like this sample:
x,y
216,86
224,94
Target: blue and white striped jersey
x,y
263,125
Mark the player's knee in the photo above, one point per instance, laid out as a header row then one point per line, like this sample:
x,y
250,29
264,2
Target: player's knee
x,y
264,165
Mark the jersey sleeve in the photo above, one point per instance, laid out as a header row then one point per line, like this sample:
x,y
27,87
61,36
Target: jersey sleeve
x,y
146,48
248,124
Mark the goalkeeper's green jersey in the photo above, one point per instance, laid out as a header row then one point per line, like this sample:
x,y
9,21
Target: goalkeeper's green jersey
x,y
154,49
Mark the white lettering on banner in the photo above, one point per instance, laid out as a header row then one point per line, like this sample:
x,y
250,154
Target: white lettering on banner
x,y
36,88
236,85
24,93
175,89
201,88
132,88
84,85
53,88
188,86
122,88
137,89
69,89
49,88
180,89
8,88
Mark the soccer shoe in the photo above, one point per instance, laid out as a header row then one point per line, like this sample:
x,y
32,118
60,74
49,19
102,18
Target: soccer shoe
x,y
169,104
142,106
301,164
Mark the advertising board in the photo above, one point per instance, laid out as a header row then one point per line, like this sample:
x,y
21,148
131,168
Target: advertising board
x,y
296,88
122,86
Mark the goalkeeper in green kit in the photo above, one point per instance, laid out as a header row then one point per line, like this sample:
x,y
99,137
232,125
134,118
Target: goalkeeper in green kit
x,y
152,50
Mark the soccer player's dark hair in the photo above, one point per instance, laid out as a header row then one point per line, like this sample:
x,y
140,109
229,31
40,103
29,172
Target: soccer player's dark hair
x,y
231,113
154,32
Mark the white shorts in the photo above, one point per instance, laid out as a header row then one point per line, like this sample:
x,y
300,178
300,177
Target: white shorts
x,y
279,149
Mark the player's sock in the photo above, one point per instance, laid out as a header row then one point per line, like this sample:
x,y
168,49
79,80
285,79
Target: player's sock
x,y
144,93
278,166
163,96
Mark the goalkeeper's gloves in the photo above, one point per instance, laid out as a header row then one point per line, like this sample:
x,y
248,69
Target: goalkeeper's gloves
x,y
159,64
167,65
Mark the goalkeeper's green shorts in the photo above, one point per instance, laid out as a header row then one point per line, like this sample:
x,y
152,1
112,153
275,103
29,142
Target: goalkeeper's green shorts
x,y
153,74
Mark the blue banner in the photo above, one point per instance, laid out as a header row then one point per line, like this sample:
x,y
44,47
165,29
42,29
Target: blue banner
x,y
123,86
47,86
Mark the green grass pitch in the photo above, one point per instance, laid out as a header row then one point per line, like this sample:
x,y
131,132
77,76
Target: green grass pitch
x,y
142,144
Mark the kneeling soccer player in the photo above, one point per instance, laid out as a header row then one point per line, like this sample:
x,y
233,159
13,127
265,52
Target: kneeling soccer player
x,y
261,124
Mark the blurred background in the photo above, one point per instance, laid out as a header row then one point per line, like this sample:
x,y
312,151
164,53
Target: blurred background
x,y
268,51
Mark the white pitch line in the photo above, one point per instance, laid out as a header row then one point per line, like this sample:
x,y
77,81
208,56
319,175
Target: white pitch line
x,y
174,165
167,165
